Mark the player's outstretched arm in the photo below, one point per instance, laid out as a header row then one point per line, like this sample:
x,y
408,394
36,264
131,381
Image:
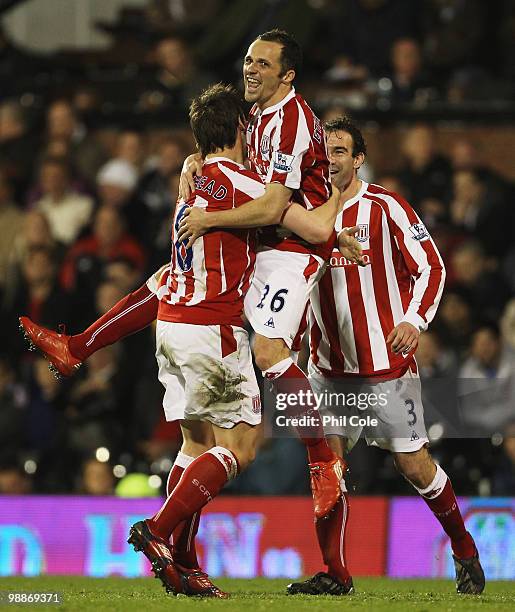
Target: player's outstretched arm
x,y
314,226
266,210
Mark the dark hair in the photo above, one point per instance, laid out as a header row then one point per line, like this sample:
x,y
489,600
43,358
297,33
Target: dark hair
x,y
488,325
346,124
214,117
291,52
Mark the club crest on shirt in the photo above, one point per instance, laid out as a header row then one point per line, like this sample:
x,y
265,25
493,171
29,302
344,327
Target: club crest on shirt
x,y
363,234
265,146
283,162
419,232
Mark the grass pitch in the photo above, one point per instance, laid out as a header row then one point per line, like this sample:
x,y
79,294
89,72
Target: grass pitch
x,y
260,595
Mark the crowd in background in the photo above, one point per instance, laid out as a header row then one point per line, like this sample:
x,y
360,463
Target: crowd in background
x,y
85,209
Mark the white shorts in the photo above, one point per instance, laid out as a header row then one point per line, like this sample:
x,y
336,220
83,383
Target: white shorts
x,y
279,292
207,374
389,413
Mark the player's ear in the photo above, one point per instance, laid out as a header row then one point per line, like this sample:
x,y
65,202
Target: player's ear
x,y
288,77
358,161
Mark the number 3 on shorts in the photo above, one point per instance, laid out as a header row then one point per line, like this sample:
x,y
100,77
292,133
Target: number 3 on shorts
x,y
411,412
277,301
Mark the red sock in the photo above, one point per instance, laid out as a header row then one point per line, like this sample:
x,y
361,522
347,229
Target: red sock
x,y
287,377
132,313
183,537
331,539
201,481
440,498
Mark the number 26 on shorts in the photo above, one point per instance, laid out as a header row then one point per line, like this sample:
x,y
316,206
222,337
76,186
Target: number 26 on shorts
x,y
277,301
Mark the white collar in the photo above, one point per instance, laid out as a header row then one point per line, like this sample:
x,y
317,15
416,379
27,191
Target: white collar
x,y
350,202
221,158
281,103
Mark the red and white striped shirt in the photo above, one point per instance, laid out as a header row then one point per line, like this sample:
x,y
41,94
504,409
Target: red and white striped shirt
x,y
354,308
206,283
286,144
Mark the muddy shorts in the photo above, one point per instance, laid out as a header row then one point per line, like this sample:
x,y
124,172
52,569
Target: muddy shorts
x,y
207,374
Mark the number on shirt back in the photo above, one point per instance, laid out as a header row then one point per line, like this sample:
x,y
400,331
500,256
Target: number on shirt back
x,y
184,255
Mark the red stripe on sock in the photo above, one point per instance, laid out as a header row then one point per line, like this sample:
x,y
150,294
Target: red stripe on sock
x,y
332,541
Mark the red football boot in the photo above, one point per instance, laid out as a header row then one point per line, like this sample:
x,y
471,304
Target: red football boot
x,y
52,345
195,582
325,479
157,551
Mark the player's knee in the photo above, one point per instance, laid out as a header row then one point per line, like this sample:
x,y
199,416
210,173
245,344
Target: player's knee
x,y
267,354
195,449
244,456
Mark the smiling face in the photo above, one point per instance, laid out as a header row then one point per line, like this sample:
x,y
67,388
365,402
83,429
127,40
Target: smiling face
x,y
342,163
264,83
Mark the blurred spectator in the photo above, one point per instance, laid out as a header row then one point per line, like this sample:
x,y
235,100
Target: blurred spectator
x,y
176,79
85,262
67,211
95,413
96,478
433,359
130,148
363,31
391,182
86,154
410,84
455,320
477,277
488,407
425,173
46,400
35,233
38,294
86,100
503,479
467,155
14,481
155,200
17,146
453,32
11,222
13,399
479,210
123,273
33,291
116,181
508,324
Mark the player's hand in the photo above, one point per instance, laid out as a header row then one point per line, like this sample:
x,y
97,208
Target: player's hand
x,y
403,338
191,167
349,247
194,224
